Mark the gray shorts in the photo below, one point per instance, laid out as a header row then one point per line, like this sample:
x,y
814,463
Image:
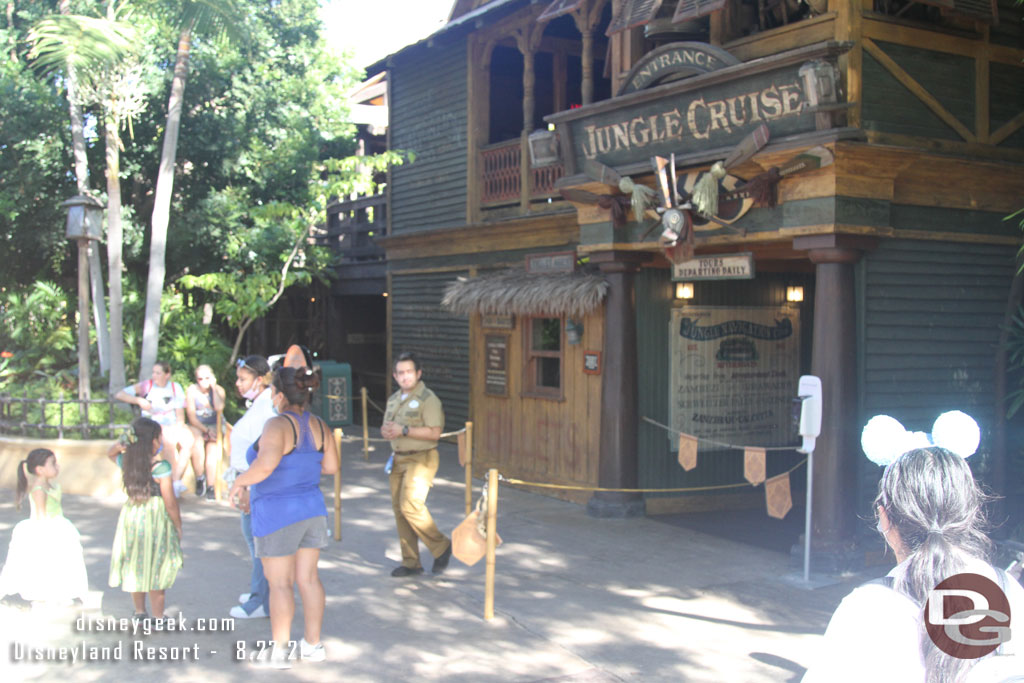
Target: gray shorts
x,y
306,533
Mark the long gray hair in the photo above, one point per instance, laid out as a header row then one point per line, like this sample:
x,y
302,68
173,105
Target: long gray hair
x,y
931,498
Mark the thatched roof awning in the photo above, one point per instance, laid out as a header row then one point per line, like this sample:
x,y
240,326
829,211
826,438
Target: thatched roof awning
x,y
521,293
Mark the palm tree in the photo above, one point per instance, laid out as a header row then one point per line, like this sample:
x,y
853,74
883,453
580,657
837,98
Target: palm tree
x,y
99,54
220,17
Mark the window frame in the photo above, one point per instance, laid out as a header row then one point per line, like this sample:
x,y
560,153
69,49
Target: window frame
x,y
530,388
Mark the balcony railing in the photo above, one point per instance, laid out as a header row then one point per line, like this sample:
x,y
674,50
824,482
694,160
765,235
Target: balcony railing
x,y
501,163
352,225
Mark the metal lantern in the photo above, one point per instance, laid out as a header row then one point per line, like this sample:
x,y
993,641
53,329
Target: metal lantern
x,y
85,217
574,331
543,148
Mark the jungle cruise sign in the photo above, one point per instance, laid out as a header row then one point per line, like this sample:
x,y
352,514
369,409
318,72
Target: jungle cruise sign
x,y
713,108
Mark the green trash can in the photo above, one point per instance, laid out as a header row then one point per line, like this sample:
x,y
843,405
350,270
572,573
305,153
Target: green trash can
x,y
334,400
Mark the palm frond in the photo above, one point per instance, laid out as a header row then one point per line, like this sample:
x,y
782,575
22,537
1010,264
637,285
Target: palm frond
x,y
80,42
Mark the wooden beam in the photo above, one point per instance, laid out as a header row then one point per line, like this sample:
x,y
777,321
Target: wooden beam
x,y
974,149
918,90
981,93
806,32
879,28
1007,129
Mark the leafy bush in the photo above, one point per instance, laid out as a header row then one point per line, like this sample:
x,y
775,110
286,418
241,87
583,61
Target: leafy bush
x,y
37,329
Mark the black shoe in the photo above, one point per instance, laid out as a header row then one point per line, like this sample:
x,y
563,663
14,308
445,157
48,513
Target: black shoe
x,y
211,493
401,571
441,561
200,487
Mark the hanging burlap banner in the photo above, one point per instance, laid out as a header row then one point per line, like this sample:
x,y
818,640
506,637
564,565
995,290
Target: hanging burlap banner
x,y
753,465
461,439
687,451
777,496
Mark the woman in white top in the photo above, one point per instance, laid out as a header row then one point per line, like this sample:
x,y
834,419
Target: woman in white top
x,y
930,512
252,379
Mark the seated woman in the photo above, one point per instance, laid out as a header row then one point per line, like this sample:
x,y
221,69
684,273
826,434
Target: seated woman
x,y
929,511
204,401
289,518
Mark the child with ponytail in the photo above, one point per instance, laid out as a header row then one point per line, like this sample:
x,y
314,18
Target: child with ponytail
x,y
146,555
44,560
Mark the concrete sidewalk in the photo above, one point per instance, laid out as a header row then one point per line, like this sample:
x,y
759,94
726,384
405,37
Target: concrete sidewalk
x,y
577,599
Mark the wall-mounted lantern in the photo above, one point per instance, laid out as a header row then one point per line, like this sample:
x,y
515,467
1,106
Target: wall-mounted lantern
x,y
543,147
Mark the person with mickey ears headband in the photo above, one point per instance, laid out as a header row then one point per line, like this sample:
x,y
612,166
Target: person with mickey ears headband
x,y
289,517
252,380
930,511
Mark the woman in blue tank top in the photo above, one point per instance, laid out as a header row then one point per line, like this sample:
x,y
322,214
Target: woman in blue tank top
x,y
289,518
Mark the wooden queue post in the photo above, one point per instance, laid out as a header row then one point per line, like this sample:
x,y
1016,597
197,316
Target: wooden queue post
x,y
492,535
366,426
337,488
218,484
469,468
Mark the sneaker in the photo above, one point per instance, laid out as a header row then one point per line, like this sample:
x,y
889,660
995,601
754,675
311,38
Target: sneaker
x,y
244,598
200,487
238,612
179,488
400,571
274,658
312,653
211,493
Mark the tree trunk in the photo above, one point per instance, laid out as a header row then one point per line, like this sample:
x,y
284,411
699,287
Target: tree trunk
x,y
114,246
162,204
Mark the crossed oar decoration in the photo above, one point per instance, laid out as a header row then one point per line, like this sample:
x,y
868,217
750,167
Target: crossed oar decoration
x,y
677,207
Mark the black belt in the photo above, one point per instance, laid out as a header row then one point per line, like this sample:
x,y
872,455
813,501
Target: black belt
x,y
414,452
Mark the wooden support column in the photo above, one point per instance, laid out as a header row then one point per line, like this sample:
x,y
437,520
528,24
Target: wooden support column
x,y
587,67
834,360
617,454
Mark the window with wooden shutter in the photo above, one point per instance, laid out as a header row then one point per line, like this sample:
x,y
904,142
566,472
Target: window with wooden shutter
x,y
543,348
693,9
633,13
558,8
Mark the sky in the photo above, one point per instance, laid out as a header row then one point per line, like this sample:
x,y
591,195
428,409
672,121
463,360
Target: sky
x,y
377,28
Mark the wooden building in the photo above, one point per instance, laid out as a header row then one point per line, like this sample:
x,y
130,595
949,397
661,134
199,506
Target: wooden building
x,y
894,151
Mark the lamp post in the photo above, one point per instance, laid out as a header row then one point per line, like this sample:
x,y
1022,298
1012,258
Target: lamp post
x,y
85,217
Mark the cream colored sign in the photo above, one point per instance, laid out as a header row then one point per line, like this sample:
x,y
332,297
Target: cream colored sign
x,y
715,267
734,373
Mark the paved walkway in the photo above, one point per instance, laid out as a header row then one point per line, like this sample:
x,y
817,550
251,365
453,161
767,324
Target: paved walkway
x,y
578,600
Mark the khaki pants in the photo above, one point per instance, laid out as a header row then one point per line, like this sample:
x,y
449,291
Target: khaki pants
x,y
411,479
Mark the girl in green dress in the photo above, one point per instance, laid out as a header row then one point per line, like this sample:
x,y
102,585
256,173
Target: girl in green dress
x,y
146,555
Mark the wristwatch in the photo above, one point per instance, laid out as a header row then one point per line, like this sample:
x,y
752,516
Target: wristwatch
x,y
405,430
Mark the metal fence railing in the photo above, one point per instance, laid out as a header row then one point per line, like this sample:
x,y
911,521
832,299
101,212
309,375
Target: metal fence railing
x,y
61,417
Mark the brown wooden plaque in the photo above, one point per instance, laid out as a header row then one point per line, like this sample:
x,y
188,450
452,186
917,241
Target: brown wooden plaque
x,y
557,262
496,365
498,322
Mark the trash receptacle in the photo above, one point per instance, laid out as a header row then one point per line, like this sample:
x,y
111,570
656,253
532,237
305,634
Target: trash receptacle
x,y
334,401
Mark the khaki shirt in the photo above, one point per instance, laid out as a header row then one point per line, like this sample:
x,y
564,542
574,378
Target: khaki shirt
x,y
421,408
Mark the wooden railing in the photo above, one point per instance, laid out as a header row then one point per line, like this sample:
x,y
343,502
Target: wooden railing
x,y
351,226
500,184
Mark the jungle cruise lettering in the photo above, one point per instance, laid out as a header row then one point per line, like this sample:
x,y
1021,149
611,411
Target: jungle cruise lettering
x,y
700,119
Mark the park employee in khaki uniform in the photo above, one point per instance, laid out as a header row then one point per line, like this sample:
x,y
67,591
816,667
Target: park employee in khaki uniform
x,y
412,422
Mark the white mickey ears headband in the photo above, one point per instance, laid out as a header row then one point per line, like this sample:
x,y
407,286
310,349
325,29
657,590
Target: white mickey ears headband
x,y
884,439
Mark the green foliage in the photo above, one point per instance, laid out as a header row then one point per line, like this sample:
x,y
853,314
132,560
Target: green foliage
x,y
37,327
186,343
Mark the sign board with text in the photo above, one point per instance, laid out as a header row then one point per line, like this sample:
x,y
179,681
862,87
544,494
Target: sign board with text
x,y
715,267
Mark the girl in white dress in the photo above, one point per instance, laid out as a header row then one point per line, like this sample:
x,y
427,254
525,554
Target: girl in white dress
x,y
44,559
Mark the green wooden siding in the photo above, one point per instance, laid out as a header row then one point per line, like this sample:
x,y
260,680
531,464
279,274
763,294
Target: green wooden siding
x,y
440,339
1006,99
658,465
931,316
428,117
890,108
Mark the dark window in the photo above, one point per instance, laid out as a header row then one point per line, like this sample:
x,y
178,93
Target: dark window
x,y
543,357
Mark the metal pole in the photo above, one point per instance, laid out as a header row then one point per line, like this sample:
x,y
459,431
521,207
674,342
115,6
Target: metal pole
x,y
337,488
83,327
469,468
366,427
807,517
492,536
218,481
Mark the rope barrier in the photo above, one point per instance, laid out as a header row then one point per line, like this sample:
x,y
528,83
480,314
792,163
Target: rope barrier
x,y
446,435
569,487
720,444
